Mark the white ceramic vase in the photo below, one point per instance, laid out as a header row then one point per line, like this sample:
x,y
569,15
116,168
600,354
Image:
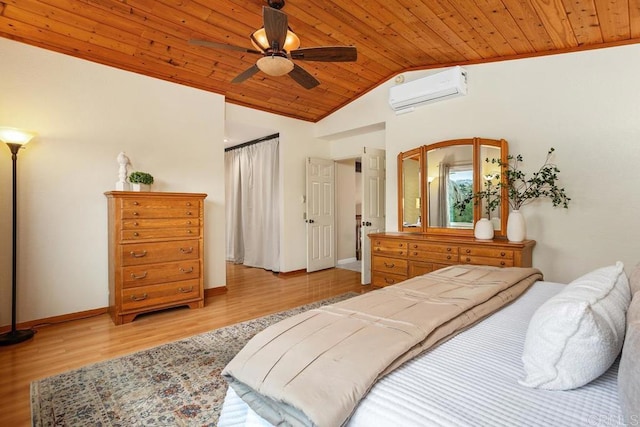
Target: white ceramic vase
x,y
483,229
516,228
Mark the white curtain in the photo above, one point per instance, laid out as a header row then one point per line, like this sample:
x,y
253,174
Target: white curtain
x,y
253,205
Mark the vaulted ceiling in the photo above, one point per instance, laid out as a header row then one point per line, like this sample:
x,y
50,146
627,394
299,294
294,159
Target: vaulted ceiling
x,y
151,37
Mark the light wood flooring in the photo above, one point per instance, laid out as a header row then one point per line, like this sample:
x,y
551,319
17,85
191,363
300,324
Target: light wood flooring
x,y
58,348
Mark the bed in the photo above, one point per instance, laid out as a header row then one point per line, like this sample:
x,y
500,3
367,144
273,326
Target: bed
x,y
473,379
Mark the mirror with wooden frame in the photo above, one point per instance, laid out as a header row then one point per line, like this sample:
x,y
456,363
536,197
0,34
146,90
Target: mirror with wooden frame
x,y
410,195
448,172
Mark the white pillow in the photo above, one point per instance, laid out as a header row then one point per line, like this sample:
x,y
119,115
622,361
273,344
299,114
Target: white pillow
x,y
575,336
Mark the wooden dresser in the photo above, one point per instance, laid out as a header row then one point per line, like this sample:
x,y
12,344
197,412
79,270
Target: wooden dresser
x,y
398,256
155,252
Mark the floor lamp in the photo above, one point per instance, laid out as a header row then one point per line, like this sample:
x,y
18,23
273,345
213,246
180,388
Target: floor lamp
x,y
15,139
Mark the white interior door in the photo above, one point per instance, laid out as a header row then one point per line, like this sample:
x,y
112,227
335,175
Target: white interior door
x,y
321,217
373,200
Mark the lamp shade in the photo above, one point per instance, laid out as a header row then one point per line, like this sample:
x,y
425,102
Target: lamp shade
x,y
260,41
15,136
275,65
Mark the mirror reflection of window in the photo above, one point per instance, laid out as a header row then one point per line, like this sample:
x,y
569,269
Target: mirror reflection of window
x,y
460,187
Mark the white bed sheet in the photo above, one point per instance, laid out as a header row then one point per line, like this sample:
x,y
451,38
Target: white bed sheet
x,y
472,380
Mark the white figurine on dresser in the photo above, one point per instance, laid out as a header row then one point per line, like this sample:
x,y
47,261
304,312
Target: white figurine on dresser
x,y
123,161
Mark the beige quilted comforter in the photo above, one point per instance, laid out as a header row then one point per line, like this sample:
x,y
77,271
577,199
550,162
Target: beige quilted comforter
x,y
312,369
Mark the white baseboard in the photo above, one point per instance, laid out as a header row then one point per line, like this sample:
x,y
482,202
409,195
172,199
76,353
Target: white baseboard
x,y
347,260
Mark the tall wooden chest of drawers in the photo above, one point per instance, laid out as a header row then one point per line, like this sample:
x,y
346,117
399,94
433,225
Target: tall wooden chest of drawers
x,y
155,252
399,256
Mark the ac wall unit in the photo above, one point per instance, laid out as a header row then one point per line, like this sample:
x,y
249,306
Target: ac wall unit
x,y
436,87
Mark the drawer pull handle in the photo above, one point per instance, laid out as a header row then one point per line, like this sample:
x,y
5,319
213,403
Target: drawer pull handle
x,y
502,254
448,256
389,281
401,245
188,222
186,251
136,234
415,254
189,231
182,270
135,223
189,213
135,203
185,291
401,252
378,249
468,251
142,276
389,265
502,263
135,214
138,255
140,298
448,249
415,246
468,259
188,203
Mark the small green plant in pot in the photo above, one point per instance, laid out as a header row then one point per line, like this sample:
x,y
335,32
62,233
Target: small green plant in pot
x,y
140,181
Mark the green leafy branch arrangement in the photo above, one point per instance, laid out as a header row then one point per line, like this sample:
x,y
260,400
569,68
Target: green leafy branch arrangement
x,y
542,184
520,189
491,194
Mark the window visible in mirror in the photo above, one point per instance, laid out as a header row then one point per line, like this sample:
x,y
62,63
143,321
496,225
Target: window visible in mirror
x,y
460,187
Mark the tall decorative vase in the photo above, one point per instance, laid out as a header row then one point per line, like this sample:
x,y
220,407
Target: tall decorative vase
x,y
483,229
516,228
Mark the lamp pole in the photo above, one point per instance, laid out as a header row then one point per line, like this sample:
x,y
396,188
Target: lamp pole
x,y
14,336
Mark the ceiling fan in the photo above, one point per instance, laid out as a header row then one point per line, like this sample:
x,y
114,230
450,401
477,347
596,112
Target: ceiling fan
x,y
279,46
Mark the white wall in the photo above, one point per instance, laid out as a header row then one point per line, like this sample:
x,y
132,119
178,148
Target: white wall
x,y
584,104
350,146
296,144
85,115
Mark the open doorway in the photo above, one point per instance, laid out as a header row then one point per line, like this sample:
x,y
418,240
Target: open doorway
x,y
348,214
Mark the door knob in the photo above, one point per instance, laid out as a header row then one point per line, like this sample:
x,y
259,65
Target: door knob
x,y
311,221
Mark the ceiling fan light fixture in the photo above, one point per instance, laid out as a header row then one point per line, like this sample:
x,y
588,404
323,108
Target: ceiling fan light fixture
x,y
259,40
275,65
292,42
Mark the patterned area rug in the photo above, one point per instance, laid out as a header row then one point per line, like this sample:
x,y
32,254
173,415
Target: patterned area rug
x,y
175,384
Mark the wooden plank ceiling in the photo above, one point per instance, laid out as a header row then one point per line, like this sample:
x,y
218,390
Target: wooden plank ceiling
x,y
151,37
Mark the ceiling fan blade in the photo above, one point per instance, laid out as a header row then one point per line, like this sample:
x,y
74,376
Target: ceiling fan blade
x,y
275,26
303,78
216,45
249,72
326,54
